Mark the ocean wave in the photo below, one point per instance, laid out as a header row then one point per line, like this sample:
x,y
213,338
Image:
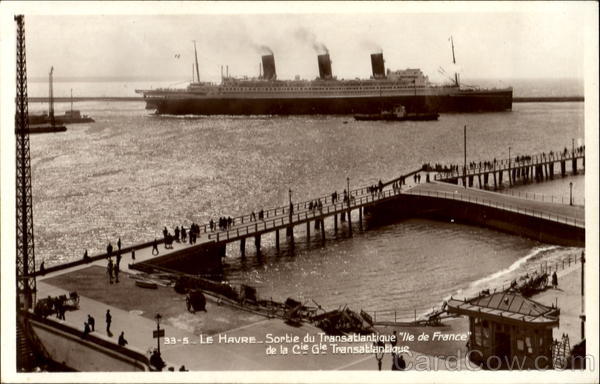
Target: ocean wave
x,y
483,283
514,266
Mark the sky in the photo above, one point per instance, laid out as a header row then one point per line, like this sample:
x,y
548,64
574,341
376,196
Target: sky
x,y
540,40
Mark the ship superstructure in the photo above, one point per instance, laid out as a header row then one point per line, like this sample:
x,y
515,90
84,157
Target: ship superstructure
x,y
267,95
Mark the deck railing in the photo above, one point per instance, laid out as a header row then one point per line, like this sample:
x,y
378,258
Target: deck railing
x,y
501,205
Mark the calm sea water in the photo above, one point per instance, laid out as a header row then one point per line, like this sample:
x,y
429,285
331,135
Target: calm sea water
x,y
131,173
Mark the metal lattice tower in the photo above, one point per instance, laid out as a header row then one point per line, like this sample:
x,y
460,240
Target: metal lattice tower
x,y
25,247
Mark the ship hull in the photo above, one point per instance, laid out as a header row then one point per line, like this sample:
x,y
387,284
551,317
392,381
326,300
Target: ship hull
x,y
461,101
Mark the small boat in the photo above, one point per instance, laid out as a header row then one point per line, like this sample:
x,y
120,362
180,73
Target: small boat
x,y
398,114
146,284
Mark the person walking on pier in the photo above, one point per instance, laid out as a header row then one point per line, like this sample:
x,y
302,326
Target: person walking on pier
x,y
109,271
183,234
154,247
122,341
86,330
554,280
85,255
118,258
119,244
116,269
60,309
109,249
91,322
177,234
108,321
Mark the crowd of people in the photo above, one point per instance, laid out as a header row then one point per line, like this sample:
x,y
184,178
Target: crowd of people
x,y
376,189
224,223
495,164
315,205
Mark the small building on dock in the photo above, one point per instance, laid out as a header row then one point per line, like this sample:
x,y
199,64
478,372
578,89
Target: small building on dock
x,y
507,328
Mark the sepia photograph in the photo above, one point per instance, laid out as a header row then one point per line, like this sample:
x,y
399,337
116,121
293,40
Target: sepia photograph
x,y
299,192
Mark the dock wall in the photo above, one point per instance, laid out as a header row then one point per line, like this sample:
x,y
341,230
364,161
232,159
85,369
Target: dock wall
x,y
203,259
536,228
66,346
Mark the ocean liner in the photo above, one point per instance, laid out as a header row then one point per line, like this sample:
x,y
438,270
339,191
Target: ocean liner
x,y
266,95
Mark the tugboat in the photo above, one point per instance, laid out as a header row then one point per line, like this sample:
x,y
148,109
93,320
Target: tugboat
x,y
398,114
69,117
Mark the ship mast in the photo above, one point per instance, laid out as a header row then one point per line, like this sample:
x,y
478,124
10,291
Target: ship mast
x,y
196,56
51,99
454,62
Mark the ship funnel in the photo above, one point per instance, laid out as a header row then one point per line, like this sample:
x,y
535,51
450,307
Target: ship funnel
x,y
268,63
324,66
378,66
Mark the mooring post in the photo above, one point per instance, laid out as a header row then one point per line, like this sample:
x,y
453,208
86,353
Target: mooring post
x,y
308,230
349,222
322,229
574,165
495,183
335,222
360,218
257,243
243,247
277,239
222,250
291,236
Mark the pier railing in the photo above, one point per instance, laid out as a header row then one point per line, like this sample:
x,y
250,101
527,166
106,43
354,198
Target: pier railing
x,y
501,205
545,198
283,220
508,164
277,212
299,217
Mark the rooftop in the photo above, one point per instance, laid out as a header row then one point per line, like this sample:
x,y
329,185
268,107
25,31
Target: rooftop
x,y
511,306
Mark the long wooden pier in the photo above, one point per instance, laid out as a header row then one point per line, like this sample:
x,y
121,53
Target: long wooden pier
x,y
522,169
